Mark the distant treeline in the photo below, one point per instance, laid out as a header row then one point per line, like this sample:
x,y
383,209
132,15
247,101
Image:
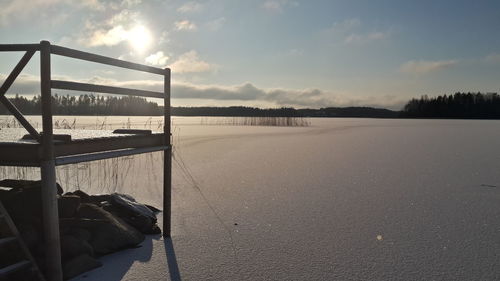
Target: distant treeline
x,y
126,105
459,105
87,105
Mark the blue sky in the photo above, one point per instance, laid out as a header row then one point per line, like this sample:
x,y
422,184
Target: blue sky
x,y
269,53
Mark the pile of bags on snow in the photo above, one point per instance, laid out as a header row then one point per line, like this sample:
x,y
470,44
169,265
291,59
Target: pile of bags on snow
x,y
90,225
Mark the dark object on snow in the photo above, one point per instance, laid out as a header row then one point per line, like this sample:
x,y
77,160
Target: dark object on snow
x,y
57,137
108,233
138,215
68,204
79,265
27,184
90,225
71,247
132,131
85,198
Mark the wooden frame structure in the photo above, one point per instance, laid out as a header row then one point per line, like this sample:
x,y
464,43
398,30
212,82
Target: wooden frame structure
x,y
47,153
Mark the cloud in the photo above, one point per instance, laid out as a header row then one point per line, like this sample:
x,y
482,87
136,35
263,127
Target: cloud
x,y
365,38
21,9
185,25
344,26
124,26
190,7
350,31
190,62
157,58
492,58
216,24
27,84
278,6
44,11
422,67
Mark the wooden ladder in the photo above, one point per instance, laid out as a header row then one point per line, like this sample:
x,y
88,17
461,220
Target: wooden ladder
x,y
29,262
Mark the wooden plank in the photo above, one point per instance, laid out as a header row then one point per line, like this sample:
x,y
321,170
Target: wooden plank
x,y
48,173
67,52
106,144
15,72
76,86
24,154
19,47
167,159
19,152
20,117
106,155
5,87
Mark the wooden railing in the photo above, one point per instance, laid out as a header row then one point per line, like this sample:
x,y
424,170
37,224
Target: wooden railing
x,y
46,153
46,49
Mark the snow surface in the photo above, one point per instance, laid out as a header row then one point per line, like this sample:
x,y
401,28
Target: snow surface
x,y
343,199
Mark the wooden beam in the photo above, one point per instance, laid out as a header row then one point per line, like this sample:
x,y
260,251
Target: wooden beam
x,y
67,52
5,87
15,72
18,153
106,144
167,159
106,155
19,116
48,173
76,86
19,47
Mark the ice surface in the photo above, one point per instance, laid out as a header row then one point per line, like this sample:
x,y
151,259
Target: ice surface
x,y
344,199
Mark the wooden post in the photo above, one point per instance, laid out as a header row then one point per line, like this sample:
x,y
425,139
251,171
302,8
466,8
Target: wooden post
x,y
167,159
48,173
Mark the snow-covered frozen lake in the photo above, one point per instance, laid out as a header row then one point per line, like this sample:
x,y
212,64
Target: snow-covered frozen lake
x,y
342,199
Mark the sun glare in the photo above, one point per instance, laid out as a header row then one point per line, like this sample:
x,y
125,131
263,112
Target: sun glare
x,y
139,38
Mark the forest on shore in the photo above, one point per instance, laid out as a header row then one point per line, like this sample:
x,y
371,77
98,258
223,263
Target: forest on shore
x,y
458,105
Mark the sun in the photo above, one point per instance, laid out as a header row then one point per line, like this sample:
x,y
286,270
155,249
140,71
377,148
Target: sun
x,y
139,38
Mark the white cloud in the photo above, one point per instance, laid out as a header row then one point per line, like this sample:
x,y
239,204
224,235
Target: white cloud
x,y
124,26
190,62
28,84
190,7
365,38
93,4
344,26
43,11
216,24
105,37
21,9
278,6
185,25
492,58
422,67
158,58
352,31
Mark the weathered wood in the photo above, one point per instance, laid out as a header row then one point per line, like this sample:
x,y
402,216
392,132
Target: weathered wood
x,y
19,154
30,154
17,236
48,173
87,157
15,72
67,52
20,117
106,144
19,47
167,160
76,86
5,87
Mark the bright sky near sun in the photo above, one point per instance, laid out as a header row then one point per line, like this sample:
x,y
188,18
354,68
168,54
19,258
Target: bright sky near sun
x,y
269,53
